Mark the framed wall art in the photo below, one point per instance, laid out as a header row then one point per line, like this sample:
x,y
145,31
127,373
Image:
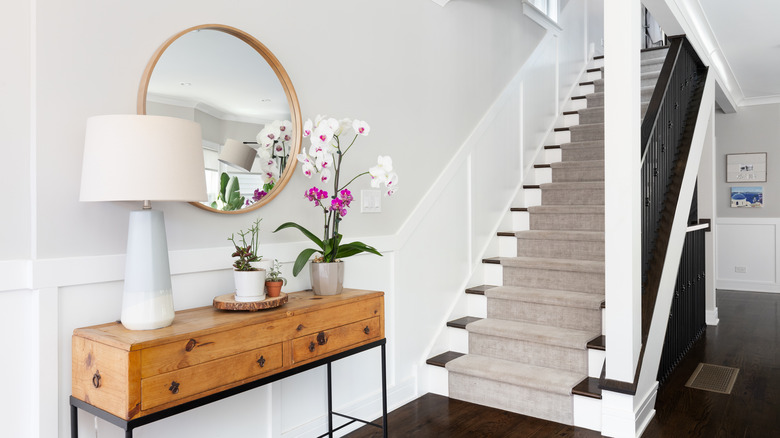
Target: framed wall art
x,y
746,167
747,197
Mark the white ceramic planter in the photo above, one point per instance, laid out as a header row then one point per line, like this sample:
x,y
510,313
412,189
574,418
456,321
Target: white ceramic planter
x,y
250,285
327,278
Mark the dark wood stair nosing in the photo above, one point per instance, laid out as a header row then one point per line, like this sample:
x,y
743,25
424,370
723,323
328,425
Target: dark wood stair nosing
x,y
571,113
479,290
598,57
505,234
519,209
542,166
532,186
594,70
461,323
440,360
563,129
586,83
552,146
492,260
589,387
598,343
579,97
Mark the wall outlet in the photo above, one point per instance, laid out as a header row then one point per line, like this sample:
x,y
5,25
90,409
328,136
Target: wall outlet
x,y
740,269
370,201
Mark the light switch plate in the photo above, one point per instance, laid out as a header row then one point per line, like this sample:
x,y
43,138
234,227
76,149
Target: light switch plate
x,y
370,201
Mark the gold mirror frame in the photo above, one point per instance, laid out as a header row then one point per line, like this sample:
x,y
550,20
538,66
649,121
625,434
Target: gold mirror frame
x,y
284,79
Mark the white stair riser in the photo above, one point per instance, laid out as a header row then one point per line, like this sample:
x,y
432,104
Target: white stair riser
x,y
507,246
595,362
571,120
552,155
532,197
438,380
493,275
593,75
542,175
477,305
459,339
520,220
587,412
561,137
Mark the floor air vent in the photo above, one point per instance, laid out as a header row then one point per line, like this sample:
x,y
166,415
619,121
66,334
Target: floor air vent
x,y
713,378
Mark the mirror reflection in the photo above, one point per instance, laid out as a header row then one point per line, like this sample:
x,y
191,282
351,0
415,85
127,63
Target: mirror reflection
x,y
235,88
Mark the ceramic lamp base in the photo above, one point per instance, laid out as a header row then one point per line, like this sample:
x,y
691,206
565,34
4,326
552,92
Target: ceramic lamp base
x,y
147,302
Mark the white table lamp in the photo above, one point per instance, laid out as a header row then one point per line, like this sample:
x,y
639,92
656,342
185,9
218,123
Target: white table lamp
x,y
144,158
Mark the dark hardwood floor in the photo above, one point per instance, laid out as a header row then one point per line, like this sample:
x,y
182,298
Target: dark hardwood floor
x,y
748,338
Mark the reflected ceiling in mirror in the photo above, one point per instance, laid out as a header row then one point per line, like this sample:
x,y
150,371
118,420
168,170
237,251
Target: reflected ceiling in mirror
x,y
230,83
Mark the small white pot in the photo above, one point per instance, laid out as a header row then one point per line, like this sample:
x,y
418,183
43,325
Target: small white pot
x,y
250,285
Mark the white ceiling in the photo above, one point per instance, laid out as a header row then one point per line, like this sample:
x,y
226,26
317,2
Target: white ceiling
x,y
748,34
217,71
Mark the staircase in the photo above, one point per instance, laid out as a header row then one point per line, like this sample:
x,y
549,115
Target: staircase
x,y
539,350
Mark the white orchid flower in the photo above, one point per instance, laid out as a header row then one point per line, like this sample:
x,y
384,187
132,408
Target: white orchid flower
x,y
285,126
344,126
332,124
319,119
321,136
308,169
381,172
264,152
325,175
360,127
324,161
307,127
269,133
392,180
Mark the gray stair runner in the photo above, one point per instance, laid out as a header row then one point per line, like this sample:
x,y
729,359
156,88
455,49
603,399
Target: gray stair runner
x,y
530,351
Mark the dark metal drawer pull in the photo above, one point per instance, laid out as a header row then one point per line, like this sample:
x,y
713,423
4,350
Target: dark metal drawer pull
x,y
96,379
321,338
261,361
174,387
367,330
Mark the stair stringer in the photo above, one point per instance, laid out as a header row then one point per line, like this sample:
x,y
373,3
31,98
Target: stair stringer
x,y
432,378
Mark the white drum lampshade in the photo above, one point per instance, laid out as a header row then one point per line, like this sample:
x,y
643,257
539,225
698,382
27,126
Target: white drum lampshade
x,y
144,158
238,155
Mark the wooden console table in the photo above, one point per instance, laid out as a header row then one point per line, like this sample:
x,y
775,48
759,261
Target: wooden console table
x,y
133,378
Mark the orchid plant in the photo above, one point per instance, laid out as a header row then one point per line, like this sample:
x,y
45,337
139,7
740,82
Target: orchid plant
x,y
273,150
326,153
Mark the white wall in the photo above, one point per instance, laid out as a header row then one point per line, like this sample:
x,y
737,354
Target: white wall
x,y
748,237
423,89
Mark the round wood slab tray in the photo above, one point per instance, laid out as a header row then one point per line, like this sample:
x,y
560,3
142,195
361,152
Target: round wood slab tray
x,y
228,302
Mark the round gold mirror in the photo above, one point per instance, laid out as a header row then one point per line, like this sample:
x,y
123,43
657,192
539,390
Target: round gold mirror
x,y
230,83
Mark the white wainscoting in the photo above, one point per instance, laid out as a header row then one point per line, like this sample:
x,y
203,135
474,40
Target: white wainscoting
x,y
749,245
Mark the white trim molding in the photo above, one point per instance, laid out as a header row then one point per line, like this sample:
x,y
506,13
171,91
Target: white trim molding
x,y
540,18
441,3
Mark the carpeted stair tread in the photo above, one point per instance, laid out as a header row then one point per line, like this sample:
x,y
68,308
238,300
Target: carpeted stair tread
x,y
573,185
567,209
536,333
565,298
584,144
541,378
577,164
572,265
588,236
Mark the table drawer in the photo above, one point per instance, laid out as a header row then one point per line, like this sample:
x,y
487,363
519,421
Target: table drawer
x,y
200,349
186,382
314,345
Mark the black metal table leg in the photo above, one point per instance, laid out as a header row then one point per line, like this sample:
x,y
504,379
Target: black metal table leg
x,y
74,422
330,404
384,393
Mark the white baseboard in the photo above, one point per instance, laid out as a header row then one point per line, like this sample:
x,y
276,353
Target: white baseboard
x,y
747,286
712,317
368,409
646,410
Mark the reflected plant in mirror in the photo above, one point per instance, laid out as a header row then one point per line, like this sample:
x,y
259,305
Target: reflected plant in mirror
x,y
274,150
331,141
